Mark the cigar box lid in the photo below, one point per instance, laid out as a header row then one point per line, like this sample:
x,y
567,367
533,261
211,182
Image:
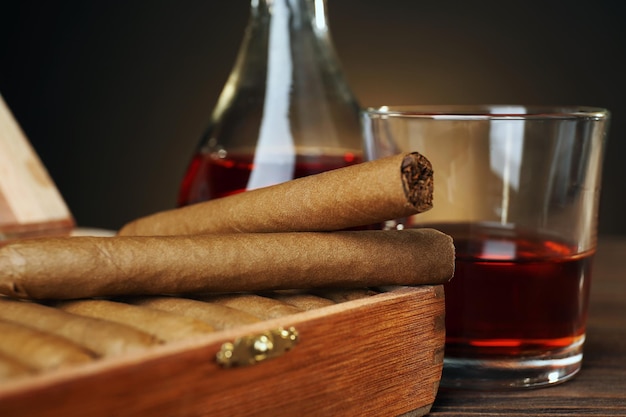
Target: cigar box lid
x,y
379,355
30,203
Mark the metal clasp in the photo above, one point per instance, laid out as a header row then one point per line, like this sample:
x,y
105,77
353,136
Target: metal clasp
x,y
249,350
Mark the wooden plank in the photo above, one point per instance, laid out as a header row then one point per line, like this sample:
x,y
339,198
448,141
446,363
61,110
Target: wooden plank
x,y
27,193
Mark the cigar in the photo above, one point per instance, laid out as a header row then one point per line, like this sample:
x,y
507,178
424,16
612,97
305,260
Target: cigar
x,y
358,195
263,307
342,295
165,326
11,368
101,337
303,301
217,315
87,267
40,350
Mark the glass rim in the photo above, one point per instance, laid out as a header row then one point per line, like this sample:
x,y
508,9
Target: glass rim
x,y
488,112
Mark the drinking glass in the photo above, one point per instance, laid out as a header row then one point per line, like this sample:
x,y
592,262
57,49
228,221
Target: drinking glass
x,y
517,188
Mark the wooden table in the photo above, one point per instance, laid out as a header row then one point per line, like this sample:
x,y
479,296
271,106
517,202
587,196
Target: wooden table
x,y
600,387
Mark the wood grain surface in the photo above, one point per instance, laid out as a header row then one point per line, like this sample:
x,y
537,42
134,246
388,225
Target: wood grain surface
x,y
29,200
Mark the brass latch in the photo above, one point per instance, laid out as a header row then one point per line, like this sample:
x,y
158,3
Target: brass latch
x,y
249,350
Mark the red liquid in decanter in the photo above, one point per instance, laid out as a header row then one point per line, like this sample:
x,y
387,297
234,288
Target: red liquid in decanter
x,y
209,177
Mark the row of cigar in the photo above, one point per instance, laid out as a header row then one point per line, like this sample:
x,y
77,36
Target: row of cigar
x,y
292,235
38,337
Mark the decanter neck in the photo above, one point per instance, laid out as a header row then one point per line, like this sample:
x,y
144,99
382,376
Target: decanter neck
x,y
301,12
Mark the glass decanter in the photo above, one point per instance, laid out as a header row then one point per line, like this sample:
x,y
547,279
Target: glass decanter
x,y
285,112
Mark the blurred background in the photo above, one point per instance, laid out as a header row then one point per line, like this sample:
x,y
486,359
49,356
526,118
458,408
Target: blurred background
x,y
115,94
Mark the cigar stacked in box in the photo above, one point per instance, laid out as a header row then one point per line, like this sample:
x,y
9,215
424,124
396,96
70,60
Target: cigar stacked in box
x,y
288,236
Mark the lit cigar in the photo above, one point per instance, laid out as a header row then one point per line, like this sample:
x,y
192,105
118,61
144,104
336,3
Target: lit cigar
x,y
367,193
82,267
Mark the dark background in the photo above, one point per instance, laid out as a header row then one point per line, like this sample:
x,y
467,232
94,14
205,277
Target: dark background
x,y
114,95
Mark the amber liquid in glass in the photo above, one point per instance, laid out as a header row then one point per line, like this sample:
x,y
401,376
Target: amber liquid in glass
x,y
209,177
514,293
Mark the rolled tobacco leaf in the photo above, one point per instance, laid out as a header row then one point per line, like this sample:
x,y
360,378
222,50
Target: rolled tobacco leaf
x,y
11,368
83,267
217,315
259,306
163,325
40,350
103,338
363,194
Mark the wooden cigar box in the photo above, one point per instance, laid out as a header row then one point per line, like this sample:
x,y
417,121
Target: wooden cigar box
x,y
30,204
380,354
